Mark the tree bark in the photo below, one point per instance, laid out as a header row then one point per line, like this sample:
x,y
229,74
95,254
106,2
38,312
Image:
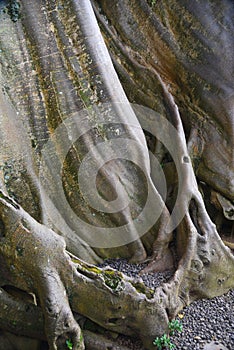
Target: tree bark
x,y
63,108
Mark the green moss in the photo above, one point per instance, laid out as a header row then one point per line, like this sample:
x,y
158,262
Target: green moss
x,y
88,268
141,288
84,97
113,279
13,9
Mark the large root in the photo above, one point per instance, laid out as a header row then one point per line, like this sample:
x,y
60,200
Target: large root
x,y
38,263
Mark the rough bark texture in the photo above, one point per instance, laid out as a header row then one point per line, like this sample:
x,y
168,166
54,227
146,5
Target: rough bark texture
x,y
173,57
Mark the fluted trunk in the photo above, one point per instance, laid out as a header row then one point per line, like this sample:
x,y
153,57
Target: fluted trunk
x,y
116,140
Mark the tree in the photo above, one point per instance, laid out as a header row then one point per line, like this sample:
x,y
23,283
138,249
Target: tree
x,y
63,105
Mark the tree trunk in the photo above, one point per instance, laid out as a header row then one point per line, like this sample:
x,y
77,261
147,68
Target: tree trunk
x,y
95,164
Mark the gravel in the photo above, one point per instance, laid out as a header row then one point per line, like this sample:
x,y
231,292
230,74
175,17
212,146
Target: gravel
x,y
207,324
207,321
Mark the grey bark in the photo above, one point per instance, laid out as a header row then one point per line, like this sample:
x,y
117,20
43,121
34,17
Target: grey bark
x,y
54,63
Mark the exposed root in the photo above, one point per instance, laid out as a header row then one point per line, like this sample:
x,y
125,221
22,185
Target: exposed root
x,y
40,265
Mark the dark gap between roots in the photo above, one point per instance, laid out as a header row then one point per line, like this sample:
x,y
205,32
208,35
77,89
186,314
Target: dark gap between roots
x,y
193,211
